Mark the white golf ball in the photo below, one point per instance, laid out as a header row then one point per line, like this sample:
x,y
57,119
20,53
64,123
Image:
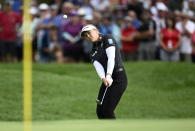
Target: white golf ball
x,y
65,16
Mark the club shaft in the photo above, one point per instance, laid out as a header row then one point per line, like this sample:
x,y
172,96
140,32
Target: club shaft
x,y
104,95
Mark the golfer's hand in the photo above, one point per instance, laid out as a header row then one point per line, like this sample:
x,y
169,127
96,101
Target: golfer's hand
x,y
105,81
109,80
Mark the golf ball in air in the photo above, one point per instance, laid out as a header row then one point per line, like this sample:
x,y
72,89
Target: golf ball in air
x,y
65,16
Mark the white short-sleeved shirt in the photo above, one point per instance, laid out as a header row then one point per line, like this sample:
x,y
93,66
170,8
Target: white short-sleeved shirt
x,y
186,46
100,5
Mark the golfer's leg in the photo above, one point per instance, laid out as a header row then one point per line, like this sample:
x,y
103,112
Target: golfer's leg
x,y
103,111
99,110
111,99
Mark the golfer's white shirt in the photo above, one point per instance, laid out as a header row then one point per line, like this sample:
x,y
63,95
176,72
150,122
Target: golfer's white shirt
x,y
110,51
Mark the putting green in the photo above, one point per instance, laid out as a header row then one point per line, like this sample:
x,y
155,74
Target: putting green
x,y
105,125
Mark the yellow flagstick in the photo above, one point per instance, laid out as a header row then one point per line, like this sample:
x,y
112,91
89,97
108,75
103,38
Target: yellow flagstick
x,y
27,67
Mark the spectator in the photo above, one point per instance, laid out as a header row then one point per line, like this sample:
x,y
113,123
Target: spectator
x,y
146,3
88,19
106,26
88,8
35,21
116,30
72,44
87,46
54,20
100,5
54,16
1,38
44,11
193,47
51,50
17,5
58,3
189,8
177,16
186,27
97,18
160,18
146,36
129,45
9,25
77,3
175,5
136,22
136,6
160,24
51,13
118,12
81,12
66,9
170,41
108,16
186,6
42,27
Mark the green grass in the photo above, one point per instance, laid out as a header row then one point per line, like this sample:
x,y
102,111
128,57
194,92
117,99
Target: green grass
x,y
156,90
95,125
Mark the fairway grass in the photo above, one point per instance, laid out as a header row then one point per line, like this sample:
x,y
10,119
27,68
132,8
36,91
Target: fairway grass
x,y
156,90
105,125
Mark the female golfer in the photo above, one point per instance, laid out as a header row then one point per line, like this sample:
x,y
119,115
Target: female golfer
x,y
107,61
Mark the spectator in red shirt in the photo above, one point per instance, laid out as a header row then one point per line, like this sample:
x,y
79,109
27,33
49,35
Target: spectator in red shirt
x,y
9,22
129,45
170,41
1,38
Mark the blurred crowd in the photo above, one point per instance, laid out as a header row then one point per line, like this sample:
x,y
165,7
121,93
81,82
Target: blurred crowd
x,y
145,30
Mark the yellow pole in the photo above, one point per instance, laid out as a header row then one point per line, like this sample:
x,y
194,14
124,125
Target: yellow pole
x,y
27,67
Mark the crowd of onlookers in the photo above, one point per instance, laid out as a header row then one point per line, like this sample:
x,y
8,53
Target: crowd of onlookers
x,y
144,29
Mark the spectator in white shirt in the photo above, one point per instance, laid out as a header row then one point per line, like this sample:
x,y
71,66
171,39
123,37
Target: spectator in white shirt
x,y
159,18
186,27
100,5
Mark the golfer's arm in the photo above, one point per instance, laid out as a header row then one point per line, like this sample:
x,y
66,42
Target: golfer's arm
x,y
99,69
110,51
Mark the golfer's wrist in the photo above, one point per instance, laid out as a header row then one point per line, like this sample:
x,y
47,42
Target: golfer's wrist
x,y
102,78
108,74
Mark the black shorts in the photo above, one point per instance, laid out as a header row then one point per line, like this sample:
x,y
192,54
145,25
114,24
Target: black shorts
x,y
8,49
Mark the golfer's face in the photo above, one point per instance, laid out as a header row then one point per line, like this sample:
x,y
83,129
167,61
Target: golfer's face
x,y
93,35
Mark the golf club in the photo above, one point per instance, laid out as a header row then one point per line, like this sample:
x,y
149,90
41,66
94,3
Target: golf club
x,y
101,102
